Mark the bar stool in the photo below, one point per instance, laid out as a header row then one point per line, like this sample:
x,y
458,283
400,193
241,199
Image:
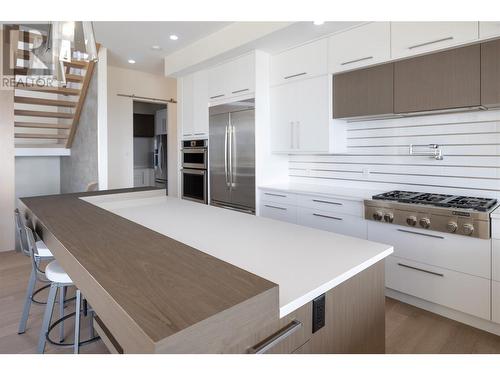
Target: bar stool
x,y
59,281
43,254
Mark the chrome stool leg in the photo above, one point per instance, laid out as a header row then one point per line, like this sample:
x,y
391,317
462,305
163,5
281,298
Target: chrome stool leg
x,y
62,294
47,318
77,322
27,303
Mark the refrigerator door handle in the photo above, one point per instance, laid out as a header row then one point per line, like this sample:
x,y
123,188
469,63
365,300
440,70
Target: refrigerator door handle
x,y
230,156
160,156
233,142
225,155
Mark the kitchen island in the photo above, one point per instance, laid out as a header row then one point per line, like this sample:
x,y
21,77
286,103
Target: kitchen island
x,y
166,275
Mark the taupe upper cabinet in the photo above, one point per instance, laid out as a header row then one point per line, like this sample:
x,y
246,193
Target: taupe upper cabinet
x,y
490,74
443,80
364,92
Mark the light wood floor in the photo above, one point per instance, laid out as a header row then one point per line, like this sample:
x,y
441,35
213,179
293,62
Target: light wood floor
x,y
408,329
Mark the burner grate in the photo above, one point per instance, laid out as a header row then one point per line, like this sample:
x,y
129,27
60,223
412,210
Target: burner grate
x,y
439,200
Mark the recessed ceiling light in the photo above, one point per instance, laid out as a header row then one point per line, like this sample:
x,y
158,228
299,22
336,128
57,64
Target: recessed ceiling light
x,y
156,47
173,37
131,61
318,23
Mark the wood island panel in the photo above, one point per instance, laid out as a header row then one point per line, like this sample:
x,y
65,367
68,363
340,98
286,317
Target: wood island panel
x,y
153,294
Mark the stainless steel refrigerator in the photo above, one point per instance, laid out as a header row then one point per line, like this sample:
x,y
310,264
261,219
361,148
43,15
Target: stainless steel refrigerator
x,y
231,151
160,160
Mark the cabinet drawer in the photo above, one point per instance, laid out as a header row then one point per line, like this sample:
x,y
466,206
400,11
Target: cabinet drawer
x,y
278,196
278,211
296,326
306,61
353,208
411,38
459,253
495,301
466,293
495,259
495,228
365,45
332,222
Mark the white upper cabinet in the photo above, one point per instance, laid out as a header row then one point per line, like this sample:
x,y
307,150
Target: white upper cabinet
x,y
187,105
232,79
413,38
306,61
489,30
194,105
365,45
300,116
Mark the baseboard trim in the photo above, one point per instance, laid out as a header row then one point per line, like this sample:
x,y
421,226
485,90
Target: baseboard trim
x,y
461,317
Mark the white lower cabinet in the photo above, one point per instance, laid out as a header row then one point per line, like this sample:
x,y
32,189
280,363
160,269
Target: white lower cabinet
x,y
326,213
455,290
279,211
458,253
495,301
332,222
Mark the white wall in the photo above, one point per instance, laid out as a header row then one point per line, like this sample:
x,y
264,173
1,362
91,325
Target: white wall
x,y
38,175
120,120
377,156
6,169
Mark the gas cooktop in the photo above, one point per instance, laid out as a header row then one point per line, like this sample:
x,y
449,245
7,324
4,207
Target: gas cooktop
x,y
438,200
468,216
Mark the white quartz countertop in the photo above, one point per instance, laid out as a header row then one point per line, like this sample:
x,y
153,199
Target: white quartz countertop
x,y
331,191
304,262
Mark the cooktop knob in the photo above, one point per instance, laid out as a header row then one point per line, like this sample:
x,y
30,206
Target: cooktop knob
x,y
425,222
411,220
377,215
388,217
452,227
468,229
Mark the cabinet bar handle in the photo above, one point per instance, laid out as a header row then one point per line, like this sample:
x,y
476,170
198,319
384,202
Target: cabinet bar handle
x,y
276,207
420,269
238,91
357,60
431,42
420,234
199,133
295,75
327,202
217,96
276,338
276,195
328,217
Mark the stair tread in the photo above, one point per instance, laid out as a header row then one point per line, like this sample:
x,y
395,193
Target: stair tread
x,y
29,113
41,101
77,64
40,125
40,145
74,78
52,90
40,136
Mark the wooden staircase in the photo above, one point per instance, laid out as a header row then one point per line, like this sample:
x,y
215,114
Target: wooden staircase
x,y
49,116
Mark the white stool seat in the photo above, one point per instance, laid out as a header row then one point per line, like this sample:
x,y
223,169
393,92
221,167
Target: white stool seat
x,y
43,251
55,273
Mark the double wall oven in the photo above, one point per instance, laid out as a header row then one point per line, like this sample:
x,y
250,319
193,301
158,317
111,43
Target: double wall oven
x,y
195,170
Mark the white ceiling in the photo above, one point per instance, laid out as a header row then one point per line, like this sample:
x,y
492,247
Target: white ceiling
x,y
134,39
